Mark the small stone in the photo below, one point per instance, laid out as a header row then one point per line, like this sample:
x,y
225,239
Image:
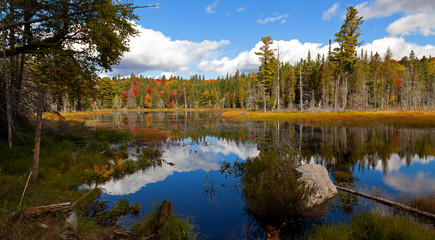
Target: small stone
x,y
71,221
43,225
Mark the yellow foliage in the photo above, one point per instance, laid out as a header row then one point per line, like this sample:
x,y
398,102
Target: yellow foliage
x,y
147,102
102,172
119,165
148,119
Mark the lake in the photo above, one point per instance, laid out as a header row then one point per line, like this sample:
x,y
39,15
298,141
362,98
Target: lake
x,y
395,163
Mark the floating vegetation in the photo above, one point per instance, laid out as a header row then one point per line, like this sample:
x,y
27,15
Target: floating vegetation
x,y
270,185
151,137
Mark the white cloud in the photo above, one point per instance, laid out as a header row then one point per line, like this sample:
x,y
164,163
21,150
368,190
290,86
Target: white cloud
x,y
419,15
420,23
331,12
399,47
386,8
292,51
281,18
241,9
152,50
211,8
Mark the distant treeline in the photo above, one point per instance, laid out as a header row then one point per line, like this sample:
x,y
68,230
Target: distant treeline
x,y
377,82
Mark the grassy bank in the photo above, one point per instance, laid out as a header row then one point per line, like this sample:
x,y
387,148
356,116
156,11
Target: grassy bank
x,y
71,155
370,225
68,150
414,119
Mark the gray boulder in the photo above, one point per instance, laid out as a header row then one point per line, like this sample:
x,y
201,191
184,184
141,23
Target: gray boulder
x,y
323,191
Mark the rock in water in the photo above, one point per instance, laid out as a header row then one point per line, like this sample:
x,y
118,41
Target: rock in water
x,y
322,189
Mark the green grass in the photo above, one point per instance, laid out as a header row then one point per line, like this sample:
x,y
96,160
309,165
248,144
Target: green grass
x,y
373,226
173,229
67,150
426,204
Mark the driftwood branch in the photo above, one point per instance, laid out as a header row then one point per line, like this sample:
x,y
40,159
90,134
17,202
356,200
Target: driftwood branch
x,y
388,202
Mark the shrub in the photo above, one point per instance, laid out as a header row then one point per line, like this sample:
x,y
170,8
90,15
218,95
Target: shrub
x,y
271,186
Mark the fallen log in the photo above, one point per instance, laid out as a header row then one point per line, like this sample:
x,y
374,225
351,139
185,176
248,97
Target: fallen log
x,y
388,202
47,209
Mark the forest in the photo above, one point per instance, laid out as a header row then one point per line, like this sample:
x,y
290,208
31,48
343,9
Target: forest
x,y
376,83
344,80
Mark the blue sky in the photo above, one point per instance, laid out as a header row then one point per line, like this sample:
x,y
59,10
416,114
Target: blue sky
x,y
212,38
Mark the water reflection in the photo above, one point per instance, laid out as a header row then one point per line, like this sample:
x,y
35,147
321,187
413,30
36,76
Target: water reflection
x,y
399,161
420,183
183,156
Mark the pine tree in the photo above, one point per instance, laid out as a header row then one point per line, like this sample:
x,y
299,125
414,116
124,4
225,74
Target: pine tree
x,y
268,68
347,38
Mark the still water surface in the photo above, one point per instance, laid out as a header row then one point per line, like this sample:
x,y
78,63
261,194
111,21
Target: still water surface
x,y
396,163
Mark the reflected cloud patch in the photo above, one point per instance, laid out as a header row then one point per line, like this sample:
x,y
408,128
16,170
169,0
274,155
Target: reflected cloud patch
x,y
187,158
420,184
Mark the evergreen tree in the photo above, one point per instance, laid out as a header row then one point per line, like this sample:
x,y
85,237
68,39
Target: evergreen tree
x,y
268,67
347,38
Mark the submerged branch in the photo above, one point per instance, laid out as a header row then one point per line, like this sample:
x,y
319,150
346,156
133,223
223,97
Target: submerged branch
x,y
388,202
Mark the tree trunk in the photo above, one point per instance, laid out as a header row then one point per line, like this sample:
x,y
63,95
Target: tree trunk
x,y
345,91
40,103
7,90
300,89
337,90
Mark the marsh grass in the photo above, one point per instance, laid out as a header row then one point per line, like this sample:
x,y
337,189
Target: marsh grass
x,y
67,150
173,229
151,137
411,119
122,208
271,186
426,204
368,225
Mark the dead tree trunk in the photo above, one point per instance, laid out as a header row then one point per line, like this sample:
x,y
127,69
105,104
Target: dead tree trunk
x,y
40,103
7,88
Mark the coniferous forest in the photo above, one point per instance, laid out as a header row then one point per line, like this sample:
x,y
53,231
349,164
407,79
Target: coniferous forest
x,y
343,80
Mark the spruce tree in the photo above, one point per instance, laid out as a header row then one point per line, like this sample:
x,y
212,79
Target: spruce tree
x,y
347,38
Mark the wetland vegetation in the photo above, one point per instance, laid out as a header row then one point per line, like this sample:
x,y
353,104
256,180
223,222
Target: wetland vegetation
x,y
164,161
136,150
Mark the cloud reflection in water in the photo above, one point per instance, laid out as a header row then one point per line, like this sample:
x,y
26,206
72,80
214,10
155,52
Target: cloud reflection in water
x,y
186,157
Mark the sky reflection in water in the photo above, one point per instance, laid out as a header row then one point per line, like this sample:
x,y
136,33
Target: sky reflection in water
x,y
221,215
